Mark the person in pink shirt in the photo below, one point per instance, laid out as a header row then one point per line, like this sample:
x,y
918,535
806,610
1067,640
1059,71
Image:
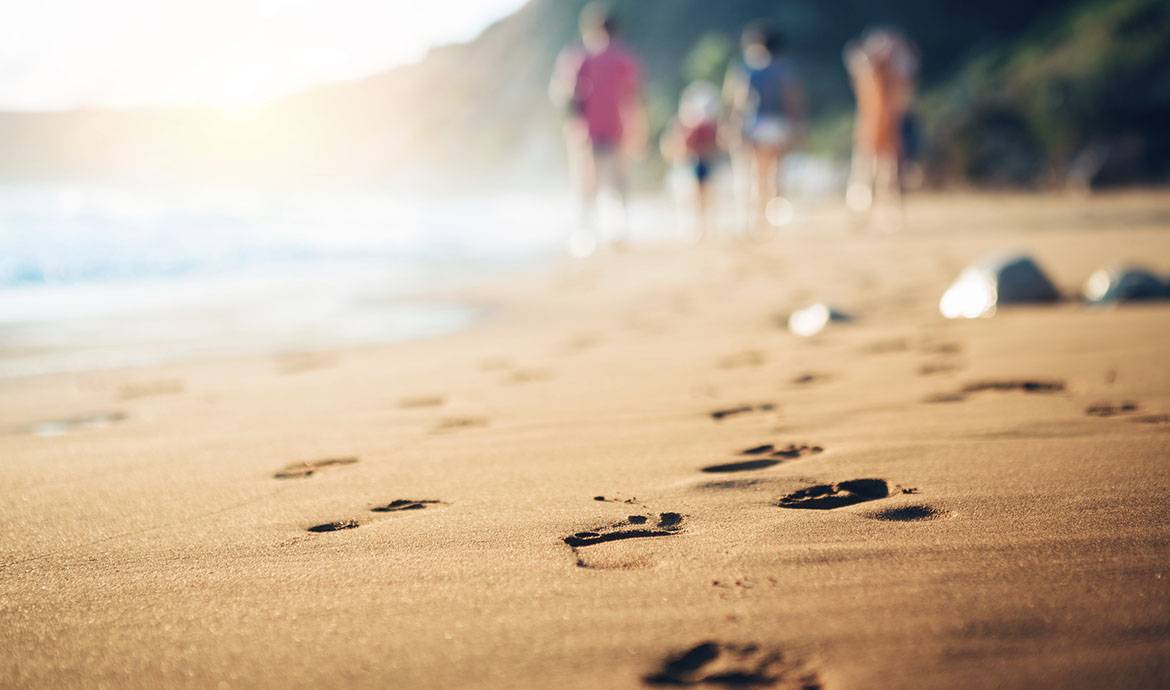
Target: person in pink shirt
x,y
607,96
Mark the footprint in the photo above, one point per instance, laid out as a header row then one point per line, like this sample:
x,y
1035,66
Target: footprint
x,y
1002,386
417,401
809,377
1152,419
1106,409
633,527
944,398
733,665
775,457
448,424
391,507
720,415
839,495
60,427
793,451
333,526
407,504
911,513
629,501
730,484
743,466
1024,385
301,470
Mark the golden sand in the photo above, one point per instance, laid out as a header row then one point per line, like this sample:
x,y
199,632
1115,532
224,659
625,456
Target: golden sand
x,y
549,499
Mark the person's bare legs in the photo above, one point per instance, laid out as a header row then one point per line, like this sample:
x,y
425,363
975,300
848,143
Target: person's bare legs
x,y
611,175
583,241
766,161
620,180
702,208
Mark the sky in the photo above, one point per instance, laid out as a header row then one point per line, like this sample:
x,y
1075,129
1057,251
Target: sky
x,y
58,54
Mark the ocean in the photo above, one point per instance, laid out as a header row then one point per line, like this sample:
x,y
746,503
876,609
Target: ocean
x,y
99,277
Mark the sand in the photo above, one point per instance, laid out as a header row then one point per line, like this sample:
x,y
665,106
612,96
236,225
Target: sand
x,y
546,500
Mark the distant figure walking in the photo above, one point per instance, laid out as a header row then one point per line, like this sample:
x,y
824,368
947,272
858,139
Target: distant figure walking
x,y
607,95
768,109
692,140
883,67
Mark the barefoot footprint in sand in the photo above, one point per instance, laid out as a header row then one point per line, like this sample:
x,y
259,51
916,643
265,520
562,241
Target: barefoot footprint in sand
x,y
1108,409
839,495
721,414
1033,386
633,527
307,468
399,504
733,665
909,513
395,506
773,456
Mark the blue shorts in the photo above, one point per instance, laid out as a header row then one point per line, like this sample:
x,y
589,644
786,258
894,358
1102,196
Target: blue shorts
x,y
701,167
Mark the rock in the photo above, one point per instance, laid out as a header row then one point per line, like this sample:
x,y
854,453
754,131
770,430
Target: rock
x,y
813,319
989,284
1125,284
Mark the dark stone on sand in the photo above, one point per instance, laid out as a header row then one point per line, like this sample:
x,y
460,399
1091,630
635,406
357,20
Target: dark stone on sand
x,y
995,282
1125,284
1019,280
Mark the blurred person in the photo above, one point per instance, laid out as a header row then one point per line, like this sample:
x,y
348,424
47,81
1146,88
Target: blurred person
x,y
883,67
768,110
692,140
607,94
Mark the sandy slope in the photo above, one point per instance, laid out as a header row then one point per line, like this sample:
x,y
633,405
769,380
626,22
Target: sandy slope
x,y
1031,548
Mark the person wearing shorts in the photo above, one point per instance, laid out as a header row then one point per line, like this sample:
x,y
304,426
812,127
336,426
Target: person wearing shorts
x,y
767,103
693,141
883,68
607,94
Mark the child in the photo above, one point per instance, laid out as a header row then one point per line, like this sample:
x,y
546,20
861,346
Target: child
x,y
692,140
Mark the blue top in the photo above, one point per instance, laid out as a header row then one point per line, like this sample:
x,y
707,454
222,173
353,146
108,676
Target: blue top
x,y
767,87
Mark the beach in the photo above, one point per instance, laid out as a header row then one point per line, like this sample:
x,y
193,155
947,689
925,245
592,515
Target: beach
x,y
630,474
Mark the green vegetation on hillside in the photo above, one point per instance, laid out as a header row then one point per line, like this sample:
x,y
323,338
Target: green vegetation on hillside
x,y
1085,94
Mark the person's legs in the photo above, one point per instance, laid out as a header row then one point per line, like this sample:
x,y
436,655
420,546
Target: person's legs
x,y
583,241
743,174
576,151
620,181
859,194
765,167
611,176
702,172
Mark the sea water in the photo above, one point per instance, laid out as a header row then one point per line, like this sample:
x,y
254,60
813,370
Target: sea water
x,y
98,276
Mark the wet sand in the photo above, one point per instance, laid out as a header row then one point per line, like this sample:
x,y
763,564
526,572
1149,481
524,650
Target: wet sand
x,y
632,475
